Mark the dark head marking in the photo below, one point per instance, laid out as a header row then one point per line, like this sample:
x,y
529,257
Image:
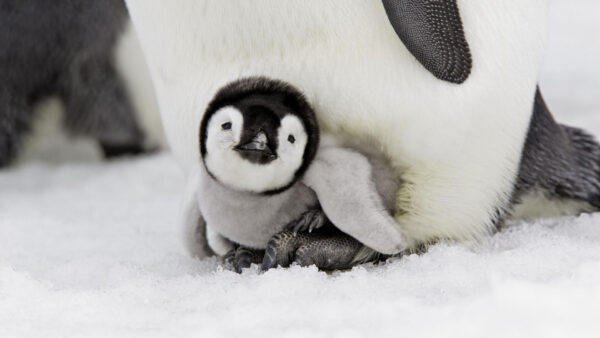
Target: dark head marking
x,y
264,102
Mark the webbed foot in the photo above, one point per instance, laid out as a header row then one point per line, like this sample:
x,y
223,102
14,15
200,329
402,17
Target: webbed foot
x,y
117,150
332,253
328,250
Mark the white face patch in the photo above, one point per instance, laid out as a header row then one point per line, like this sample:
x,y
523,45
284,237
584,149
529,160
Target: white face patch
x,y
292,142
223,161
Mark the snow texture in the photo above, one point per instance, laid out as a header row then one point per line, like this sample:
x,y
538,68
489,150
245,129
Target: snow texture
x,y
93,249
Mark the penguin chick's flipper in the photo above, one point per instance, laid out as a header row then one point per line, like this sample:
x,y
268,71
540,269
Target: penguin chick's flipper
x,y
342,180
561,161
327,249
309,221
242,258
97,105
194,226
432,31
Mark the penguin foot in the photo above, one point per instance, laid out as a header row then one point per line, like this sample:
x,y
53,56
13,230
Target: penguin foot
x,y
332,253
242,258
9,145
326,250
281,249
15,119
116,150
309,221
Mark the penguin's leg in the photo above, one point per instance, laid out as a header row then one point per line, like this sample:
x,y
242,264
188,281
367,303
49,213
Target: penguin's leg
x,y
15,119
559,161
327,249
241,258
97,105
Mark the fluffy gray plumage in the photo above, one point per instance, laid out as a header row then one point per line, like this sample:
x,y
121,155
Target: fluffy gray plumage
x,y
64,48
248,218
355,188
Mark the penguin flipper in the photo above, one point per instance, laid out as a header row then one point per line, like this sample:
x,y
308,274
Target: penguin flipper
x,y
194,225
342,180
432,31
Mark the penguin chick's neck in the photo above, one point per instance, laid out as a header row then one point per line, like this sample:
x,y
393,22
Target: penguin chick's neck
x,y
236,189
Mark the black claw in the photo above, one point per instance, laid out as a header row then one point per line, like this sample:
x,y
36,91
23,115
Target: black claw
x,y
315,223
270,259
310,220
280,250
299,225
242,258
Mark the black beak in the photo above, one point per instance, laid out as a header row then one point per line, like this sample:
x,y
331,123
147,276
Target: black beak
x,y
257,150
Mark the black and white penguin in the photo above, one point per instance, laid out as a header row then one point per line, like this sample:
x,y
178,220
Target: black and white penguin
x,y
65,48
446,89
264,172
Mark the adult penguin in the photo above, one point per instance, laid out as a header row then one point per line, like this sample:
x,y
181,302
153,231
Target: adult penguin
x,y
74,51
447,89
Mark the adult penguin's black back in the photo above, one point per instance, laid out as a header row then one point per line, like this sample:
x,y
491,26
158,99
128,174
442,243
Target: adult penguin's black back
x,y
559,171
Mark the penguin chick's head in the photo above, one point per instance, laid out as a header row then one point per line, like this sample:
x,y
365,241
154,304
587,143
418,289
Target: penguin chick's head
x,y
258,135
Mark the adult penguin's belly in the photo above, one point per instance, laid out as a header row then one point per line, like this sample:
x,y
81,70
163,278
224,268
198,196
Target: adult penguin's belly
x,y
454,145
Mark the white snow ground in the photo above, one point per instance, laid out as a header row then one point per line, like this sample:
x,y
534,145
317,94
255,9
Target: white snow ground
x,y
92,249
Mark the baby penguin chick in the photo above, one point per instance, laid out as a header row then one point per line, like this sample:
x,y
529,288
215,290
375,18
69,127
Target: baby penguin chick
x,y
259,139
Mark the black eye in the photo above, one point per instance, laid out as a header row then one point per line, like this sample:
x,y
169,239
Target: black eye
x,y
292,139
226,126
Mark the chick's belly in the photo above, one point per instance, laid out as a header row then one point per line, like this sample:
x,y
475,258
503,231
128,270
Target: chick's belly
x,y
253,232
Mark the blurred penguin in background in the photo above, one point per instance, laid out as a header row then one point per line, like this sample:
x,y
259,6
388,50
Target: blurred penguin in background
x,y
82,53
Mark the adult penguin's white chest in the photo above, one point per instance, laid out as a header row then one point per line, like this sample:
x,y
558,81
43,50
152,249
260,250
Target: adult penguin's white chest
x,y
464,140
